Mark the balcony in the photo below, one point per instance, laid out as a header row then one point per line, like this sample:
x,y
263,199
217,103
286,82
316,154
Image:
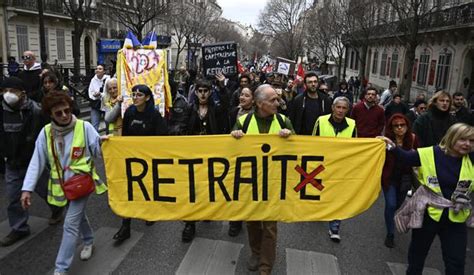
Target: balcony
x,y
50,7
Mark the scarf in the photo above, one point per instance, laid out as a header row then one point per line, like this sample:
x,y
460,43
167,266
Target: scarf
x,y
60,131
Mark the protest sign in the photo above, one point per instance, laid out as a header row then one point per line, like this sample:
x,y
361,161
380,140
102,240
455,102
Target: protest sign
x,y
258,177
144,66
219,58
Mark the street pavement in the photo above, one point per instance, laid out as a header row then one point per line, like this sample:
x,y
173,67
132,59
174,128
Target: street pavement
x,y
303,248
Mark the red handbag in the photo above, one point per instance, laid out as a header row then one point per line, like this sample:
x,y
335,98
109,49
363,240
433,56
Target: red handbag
x,y
75,187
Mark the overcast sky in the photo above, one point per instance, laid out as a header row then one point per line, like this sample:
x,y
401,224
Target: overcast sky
x,y
245,11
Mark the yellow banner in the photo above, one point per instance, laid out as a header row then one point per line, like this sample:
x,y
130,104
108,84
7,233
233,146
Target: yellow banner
x,y
144,66
259,177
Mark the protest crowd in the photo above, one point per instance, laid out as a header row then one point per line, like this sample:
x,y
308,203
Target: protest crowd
x,y
45,145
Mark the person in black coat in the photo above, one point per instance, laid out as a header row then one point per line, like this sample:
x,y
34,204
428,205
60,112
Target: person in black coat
x,y
306,107
206,117
140,119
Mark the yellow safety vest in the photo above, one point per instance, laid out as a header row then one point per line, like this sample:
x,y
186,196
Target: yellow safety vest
x,y
77,165
428,177
253,126
327,130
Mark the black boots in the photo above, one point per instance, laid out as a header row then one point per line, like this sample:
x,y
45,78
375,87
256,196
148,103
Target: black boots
x,y
235,228
188,232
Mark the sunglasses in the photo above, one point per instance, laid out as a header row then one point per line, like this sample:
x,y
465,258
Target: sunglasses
x,y
202,91
65,112
26,57
399,125
138,95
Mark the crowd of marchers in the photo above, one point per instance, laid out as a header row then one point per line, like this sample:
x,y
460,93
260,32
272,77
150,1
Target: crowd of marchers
x,y
45,147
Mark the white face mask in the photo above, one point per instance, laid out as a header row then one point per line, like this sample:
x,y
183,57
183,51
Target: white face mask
x,y
11,98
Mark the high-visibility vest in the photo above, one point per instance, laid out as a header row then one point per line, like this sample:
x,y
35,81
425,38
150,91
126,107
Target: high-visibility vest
x,y
428,177
76,165
327,130
275,127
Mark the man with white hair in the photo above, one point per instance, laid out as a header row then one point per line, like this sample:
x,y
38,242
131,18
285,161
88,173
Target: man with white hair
x,y
336,124
262,235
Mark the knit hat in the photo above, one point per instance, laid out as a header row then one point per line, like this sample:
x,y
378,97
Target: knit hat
x,y
13,83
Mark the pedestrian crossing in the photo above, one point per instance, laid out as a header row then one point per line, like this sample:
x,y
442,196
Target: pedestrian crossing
x,y
204,256
36,226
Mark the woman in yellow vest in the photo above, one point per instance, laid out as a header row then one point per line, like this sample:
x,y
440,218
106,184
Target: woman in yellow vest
x,y
336,124
447,170
76,145
112,106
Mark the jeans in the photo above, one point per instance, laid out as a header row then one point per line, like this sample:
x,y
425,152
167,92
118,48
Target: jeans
x,y
17,216
453,237
95,118
393,200
335,225
75,224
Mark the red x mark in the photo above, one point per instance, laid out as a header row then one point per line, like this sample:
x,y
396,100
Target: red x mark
x,y
309,178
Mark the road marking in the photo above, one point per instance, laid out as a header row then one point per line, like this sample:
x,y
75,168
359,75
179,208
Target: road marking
x,y
36,226
400,269
310,262
106,256
210,257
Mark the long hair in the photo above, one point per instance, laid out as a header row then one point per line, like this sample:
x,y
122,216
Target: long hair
x,y
407,138
437,95
150,103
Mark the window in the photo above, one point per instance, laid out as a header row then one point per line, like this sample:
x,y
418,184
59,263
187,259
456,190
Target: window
x,y
22,39
442,73
383,64
356,61
351,65
394,65
375,62
423,68
61,44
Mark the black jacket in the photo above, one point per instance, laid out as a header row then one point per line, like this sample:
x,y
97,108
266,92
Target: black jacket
x,y
178,116
431,126
296,109
18,132
32,83
217,116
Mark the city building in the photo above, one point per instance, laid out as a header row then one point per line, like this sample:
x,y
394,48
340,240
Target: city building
x,y
443,60
19,31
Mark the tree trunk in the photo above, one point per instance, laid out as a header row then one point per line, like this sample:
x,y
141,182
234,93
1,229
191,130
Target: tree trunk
x,y
44,54
406,78
339,69
363,62
76,49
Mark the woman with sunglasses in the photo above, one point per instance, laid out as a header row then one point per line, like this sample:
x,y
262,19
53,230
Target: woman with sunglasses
x,y
140,119
69,147
396,176
446,170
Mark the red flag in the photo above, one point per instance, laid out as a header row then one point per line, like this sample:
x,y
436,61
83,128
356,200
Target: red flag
x,y
240,68
300,72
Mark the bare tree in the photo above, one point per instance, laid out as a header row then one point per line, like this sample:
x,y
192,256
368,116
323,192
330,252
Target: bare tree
x,y
284,21
357,25
137,14
190,25
81,12
223,30
410,16
257,45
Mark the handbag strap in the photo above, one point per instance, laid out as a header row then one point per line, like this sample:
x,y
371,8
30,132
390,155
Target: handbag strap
x,y
56,160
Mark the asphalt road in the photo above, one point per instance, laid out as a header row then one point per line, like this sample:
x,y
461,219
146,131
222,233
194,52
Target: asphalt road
x,y
160,250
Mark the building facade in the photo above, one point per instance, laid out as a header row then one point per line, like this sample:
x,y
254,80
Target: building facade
x,y
19,31
444,59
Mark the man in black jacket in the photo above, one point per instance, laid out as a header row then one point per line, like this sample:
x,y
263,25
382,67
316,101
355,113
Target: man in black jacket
x,y
31,76
306,107
20,123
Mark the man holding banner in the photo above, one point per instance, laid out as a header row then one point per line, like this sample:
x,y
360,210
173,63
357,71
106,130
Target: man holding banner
x,y
265,120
